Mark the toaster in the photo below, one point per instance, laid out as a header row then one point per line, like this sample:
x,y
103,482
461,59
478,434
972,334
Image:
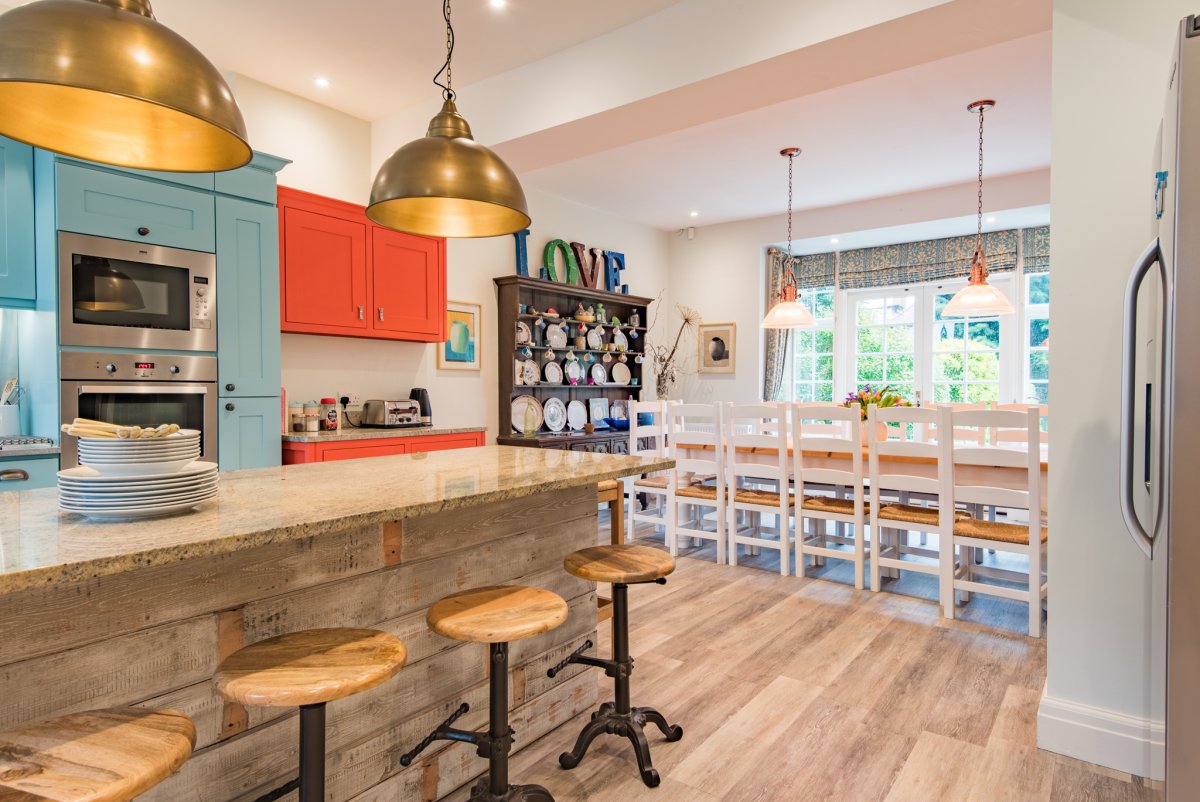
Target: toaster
x,y
391,414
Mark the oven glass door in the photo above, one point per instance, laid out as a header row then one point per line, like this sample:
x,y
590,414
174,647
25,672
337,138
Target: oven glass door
x,y
192,406
120,292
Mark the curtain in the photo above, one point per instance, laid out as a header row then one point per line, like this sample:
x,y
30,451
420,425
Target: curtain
x,y
775,341
928,260
1037,249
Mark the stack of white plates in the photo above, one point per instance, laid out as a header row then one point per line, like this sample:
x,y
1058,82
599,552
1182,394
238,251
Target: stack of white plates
x,y
88,492
115,457
127,479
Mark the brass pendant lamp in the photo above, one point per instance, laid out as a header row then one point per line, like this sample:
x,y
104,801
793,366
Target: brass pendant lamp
x,y
788,312
103,80
446,184
978,298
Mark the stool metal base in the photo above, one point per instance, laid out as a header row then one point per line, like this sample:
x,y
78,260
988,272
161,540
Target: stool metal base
x,y
482,792
631,725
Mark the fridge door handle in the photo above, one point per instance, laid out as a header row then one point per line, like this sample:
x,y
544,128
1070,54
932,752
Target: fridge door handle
x,y
1150,257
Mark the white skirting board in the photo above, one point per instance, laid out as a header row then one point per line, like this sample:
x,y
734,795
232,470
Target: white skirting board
x,y
1120,742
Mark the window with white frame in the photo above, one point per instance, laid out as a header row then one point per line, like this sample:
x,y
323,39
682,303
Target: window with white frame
x,y
966,357
811,355
1037,343
885,340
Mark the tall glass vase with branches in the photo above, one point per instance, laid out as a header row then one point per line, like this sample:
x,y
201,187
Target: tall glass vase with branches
x,y
665,357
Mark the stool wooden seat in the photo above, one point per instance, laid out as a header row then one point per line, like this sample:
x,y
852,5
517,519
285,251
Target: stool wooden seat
x,y
108,755
626,564
498,614
310,667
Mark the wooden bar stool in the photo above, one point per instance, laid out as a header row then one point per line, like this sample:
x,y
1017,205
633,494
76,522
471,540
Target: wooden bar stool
x,y
99,756
309,669
495,616
622,566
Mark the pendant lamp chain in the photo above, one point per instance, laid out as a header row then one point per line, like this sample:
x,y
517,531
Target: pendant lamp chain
x,y
979,209
447,67
791,162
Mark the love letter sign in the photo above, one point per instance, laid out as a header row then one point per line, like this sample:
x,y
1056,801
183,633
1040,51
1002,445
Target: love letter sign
x,y
578,264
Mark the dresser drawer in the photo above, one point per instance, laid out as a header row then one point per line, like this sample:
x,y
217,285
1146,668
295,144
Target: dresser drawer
x,y
28,473
122,207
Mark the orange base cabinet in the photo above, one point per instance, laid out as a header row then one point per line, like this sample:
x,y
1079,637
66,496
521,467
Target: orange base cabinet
x,y
341,274
301,453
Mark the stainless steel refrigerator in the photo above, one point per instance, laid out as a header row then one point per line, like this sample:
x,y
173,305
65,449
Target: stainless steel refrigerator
x,y
1160,419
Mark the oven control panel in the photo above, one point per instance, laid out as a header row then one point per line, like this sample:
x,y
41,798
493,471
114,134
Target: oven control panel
x,y
92,365
201,297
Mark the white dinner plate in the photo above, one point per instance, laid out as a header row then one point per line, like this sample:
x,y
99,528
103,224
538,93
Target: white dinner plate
x,y
135,513
524,336
556,414
556,336
118,444
576,414
134,487
553,372
121,492
621,374
140,454
140,468
594,339
519,405
117,504
86,475
599,373
529,372
620,341
574,370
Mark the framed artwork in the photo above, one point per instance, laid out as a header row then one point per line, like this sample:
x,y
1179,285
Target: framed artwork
x,y
598,409
718,348
460,351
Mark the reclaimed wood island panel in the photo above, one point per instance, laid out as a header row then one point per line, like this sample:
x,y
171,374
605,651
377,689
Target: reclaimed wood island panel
x,y
104,614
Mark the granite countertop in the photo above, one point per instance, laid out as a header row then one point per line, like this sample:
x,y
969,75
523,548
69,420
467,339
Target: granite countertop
x,y
349,433
41,546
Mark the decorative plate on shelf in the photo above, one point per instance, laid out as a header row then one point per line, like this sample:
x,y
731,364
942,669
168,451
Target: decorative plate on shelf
x,y
530,373
595,340
576,415
524,335
520,405
599,373
574,370
621,374
620,341
556,336
553,372
618,410
556,414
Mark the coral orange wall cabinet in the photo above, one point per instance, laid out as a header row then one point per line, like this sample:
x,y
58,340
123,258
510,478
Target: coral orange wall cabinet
x,y
343,275
299,453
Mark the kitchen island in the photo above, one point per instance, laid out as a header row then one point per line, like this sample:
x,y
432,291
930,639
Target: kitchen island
x,y
102,614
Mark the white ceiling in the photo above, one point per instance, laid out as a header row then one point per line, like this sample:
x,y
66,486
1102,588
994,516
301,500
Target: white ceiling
x,y
380,55
901,132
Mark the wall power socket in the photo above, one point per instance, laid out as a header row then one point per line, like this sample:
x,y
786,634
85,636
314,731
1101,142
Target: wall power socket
x,y
355,398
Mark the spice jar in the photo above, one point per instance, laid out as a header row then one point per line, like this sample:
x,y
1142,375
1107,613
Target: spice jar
x,y
312,422
329,415
295,417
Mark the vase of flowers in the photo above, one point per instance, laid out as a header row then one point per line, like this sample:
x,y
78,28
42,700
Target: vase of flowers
x,y
666,368
866,396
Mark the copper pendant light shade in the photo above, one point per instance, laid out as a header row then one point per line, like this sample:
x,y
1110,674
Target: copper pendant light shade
x,y
103,80
446,184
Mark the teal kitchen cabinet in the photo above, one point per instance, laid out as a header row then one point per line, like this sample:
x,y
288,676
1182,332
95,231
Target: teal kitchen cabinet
x,y
28,473
248,339
249,432
130,208
18,285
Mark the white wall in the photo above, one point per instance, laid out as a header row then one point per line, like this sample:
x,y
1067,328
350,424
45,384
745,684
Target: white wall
x,y
720,273
314,366
330,150
1103,699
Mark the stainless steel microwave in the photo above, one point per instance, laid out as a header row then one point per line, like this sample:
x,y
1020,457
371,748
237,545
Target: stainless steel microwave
x,y
119,294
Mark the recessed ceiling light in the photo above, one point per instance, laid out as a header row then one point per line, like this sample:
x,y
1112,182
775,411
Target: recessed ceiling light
x,y
497,3
321,81
834,241
695,214
991,220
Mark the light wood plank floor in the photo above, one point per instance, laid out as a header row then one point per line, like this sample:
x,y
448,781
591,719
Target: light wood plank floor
x,y
794,689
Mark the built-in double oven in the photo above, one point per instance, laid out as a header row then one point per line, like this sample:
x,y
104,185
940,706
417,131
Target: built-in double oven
x,y
117,296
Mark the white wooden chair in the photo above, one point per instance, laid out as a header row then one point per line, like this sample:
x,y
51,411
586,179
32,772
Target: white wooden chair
x,y
974,533
756,488
1011,436
698,426
830,429
937,519
649,440
965,434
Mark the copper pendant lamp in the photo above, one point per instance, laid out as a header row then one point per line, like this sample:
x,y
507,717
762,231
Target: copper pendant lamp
x,y
978,298
446,184
103,80
788,312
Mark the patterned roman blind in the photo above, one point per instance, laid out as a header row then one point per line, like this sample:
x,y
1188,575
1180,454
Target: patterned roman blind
x,y
816,270
1037,249
927,260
